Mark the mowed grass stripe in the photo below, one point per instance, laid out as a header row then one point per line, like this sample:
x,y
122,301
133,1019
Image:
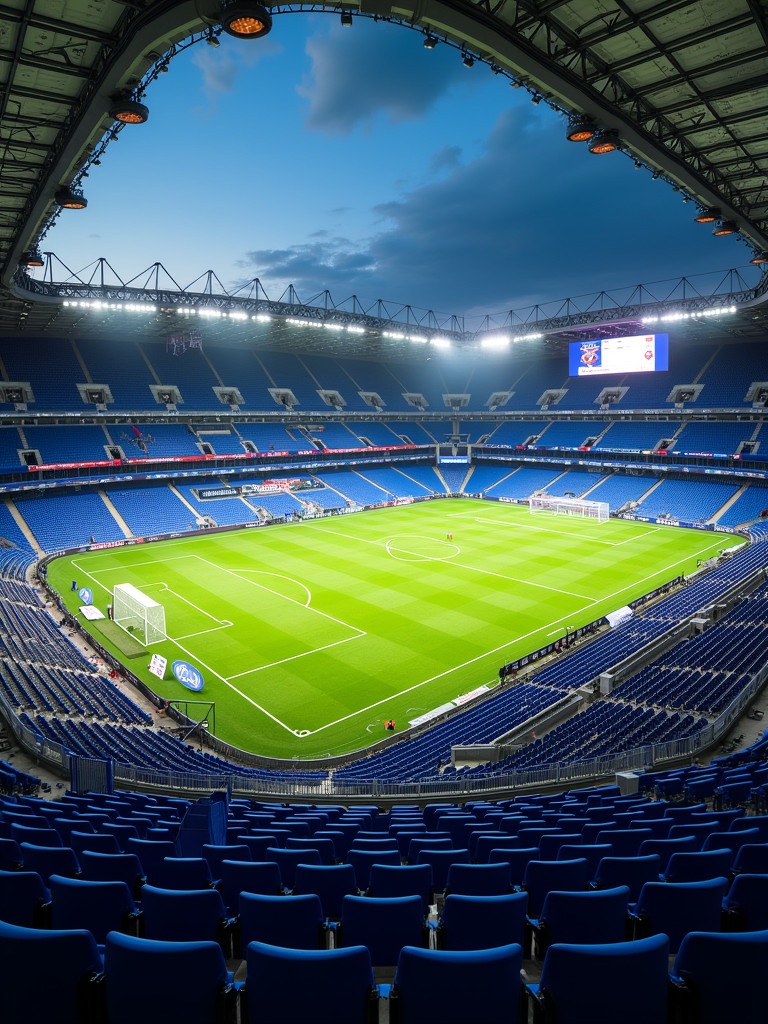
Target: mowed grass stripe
x,y
341,622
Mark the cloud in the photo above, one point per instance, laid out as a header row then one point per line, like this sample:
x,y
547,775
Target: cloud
x,y
358,76
531,219
446,159
336,264
223,67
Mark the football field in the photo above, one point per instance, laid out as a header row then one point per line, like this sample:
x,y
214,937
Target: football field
x,y
310,635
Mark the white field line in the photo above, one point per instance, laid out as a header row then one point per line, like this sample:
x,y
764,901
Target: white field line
x,y
220,623
91,576
133,565
195,657
392,541
556,533
295,657
564,620
202,611
239,692
276,593
301,733
202,632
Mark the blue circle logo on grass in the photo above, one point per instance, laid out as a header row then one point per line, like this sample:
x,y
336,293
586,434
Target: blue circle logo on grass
x,y
86,595
187,675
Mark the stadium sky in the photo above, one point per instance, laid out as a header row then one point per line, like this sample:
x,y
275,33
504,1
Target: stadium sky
x,y
354,160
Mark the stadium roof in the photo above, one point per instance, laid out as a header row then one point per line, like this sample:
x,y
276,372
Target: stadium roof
x,y
683,83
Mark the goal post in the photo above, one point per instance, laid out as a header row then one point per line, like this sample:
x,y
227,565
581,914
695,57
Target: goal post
x,y
138,614
581,507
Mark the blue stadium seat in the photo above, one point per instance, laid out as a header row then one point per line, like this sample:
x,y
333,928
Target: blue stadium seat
x,y
454,987
331,882
676,908
582,983
180,915
24,899
479,879
248,876
325,986
745,906
720,977
99,907
383,925
146,979
482,922
585,918
49,860
296,922
543,875
388,880
633,872
71,961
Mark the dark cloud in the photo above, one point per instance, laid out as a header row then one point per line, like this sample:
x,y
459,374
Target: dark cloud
x,y
336,264
447,158
358,76
532,219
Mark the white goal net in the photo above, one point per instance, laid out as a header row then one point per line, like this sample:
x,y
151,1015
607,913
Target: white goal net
x,y
138,614
581,507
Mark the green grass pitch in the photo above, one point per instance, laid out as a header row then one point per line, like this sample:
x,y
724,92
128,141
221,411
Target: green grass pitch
x,y
310,635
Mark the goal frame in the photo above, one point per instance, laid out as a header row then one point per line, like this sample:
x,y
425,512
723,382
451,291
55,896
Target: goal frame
x,y
137,614
583,508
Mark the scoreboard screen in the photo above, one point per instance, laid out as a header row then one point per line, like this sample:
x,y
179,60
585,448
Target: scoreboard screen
x,y
640,353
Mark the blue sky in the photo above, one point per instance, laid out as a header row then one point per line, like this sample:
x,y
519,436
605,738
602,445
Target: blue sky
x,y
354,160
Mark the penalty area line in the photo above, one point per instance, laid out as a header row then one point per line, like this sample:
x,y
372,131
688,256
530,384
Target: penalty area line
x,y
201,611
295,657
251,701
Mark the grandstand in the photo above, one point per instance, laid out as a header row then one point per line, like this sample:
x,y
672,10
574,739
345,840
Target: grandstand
x,y
88,500
586,756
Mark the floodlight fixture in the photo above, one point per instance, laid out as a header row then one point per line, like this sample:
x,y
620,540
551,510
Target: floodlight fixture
x,y
707,215
495,341
605,140
580,128
245,19
70,198
346,19
127,110
468,60
725,227
32,258
760,258
430,41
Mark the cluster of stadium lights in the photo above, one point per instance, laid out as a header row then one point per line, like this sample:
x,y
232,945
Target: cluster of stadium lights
x,y
501,341
671,317
350,328
219,314
123,307
248,19
582,128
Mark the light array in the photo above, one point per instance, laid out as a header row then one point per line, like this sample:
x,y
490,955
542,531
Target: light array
x,y
671,317
125,307
418,339
499,341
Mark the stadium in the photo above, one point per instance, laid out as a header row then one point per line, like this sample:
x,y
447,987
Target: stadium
x,y
373,646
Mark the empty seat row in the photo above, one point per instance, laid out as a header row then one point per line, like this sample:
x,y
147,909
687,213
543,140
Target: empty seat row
x,y
602,983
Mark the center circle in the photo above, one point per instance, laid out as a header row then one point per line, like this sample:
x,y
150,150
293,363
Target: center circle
x,y
417,548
